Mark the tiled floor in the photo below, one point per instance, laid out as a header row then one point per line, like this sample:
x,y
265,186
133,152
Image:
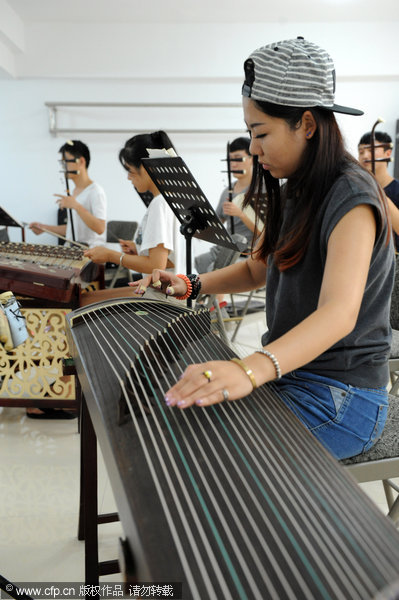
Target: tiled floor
x,y
39,487
39,496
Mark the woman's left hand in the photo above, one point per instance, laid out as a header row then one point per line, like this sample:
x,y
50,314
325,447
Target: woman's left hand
x,y
163,282
209,383
231,209
66,201
128,247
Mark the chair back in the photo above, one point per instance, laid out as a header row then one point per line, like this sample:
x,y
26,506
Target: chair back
x,y
394,314
228,256
4,235
124,230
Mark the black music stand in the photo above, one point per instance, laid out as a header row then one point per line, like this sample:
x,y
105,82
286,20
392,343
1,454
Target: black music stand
x,y
188,202
8,221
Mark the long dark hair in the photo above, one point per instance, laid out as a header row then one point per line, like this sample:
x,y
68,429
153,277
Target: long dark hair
x,y
135,149
322,162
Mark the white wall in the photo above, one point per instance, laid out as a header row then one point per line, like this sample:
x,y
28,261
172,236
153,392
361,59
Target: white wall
x,y
178,63
29,154
194,50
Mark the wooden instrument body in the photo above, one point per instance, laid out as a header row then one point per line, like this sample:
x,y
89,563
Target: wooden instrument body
x,y
48,281
53,273
237,500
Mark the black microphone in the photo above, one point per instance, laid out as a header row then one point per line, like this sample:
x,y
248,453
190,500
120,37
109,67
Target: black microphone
x,y
240,159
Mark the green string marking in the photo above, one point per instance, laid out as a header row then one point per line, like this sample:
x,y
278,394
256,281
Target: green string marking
x,y
323,502
194,484
291,459
274,510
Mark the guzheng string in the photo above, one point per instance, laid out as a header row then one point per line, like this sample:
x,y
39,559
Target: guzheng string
x,y
204,357
204,538
310,471
182,555
328,517
273,521
248,542
226,355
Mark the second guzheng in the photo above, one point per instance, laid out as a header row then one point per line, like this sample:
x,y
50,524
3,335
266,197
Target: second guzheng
x,y
235,501
44,271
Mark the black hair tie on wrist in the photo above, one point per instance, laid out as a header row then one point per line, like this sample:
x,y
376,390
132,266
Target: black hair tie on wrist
x,y
196,285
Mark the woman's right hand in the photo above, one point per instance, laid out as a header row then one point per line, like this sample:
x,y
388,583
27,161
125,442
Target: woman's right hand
x,y
128,247
36,227
164,282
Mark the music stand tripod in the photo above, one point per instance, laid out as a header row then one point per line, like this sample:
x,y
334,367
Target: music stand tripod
x,y
188,202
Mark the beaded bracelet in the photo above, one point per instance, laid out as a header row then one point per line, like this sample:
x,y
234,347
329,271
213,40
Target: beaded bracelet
x,y
196,284
274,361
189,288
247,370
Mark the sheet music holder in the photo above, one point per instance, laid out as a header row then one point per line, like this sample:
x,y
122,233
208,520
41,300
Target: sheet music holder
x,y
188,202
8,221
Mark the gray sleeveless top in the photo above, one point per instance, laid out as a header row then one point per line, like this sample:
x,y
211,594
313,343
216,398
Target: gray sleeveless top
x,y
361,358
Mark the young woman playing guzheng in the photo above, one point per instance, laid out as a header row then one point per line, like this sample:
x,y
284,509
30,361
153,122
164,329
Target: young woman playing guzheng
x,y
158,242
327,253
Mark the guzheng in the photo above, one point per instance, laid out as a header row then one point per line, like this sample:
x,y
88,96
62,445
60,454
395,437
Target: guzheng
x,y
235,501
44,271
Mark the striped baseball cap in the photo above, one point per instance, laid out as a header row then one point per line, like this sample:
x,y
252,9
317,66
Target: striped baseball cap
x,y
293,73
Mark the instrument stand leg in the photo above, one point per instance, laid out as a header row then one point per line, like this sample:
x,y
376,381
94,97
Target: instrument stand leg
x,y
88,500
88,507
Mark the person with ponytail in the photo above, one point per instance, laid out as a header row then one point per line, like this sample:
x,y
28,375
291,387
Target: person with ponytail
x,y
158,243
326,254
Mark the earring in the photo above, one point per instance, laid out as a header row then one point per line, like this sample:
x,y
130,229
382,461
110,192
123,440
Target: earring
x,y
309,133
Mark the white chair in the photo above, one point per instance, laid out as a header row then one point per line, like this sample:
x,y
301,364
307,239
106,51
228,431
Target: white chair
x,y
252,303
224,258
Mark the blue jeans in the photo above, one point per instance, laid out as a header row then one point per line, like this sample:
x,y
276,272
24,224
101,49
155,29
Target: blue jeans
x,y
347,420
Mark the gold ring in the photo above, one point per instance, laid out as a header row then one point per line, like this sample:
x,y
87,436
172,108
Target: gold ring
x,y
208,375
225,394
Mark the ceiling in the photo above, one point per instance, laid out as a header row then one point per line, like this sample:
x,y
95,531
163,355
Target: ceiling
x,y
204,11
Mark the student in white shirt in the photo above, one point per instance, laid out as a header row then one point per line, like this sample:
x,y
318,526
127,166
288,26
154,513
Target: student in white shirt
x,y
158,243
87,202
